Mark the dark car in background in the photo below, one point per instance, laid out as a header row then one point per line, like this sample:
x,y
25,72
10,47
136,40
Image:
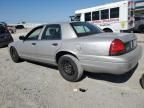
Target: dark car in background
x,y
3,24
12,29
139,23
5,36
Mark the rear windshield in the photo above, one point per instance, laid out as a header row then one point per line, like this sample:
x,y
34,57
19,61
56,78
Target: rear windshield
x,y
85,29
3,30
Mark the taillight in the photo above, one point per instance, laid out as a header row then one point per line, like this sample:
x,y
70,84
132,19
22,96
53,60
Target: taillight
x,y
117,47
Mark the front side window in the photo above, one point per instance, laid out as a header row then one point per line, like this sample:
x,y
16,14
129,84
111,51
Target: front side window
x,y
85,29
88,16
105,14
34,34
95,15
52,32
114,12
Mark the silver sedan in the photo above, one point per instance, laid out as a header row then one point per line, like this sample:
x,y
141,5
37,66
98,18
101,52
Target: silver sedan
x,y
76,47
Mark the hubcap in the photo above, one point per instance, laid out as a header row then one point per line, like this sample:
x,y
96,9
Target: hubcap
x,y
68,68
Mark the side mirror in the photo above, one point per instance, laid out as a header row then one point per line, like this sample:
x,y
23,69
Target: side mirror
x,y
21,38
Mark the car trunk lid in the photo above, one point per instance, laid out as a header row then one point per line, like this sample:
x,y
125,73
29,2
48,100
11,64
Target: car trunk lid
x,y
125,37
129,39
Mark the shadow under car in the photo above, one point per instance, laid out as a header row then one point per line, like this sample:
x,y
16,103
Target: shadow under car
x,y
98,76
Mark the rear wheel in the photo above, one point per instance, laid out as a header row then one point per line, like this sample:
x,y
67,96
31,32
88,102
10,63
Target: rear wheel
x,y
70,68
14,55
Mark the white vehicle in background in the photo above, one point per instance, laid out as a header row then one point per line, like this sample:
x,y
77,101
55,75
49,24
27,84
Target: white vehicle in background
x,y
112,17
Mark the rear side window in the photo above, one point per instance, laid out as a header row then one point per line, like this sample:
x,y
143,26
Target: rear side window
x,y
105,14
85,29
52,32
95,15
114,12
88,16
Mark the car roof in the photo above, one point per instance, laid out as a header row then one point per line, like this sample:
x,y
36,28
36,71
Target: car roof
x,y
61,23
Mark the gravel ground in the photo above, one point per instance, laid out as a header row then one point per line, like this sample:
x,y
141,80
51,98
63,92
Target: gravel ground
x,y
32,85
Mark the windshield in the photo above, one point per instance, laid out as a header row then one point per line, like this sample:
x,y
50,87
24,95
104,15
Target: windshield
x,y
85,29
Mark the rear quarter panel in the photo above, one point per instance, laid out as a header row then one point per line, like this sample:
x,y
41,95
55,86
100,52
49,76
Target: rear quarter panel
x,y
86,47
95,47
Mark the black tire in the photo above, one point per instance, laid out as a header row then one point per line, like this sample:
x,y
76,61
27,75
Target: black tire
x,y
142,81
70,68
14,55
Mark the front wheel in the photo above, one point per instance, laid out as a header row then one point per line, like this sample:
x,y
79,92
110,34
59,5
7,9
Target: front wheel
x,y
142,81
14,55
70,68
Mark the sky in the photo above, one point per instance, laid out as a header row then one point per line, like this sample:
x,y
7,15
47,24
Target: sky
x,y
41,11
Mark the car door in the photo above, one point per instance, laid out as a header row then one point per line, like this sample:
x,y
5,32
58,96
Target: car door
x,y
28,47
49,44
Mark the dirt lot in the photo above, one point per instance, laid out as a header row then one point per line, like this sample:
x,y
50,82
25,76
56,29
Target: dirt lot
x,y
31,85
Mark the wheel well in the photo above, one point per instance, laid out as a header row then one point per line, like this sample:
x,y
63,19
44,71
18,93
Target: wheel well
x,y
107,29
60,54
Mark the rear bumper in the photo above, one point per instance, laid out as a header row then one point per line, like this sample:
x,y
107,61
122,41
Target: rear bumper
x,y
112,64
